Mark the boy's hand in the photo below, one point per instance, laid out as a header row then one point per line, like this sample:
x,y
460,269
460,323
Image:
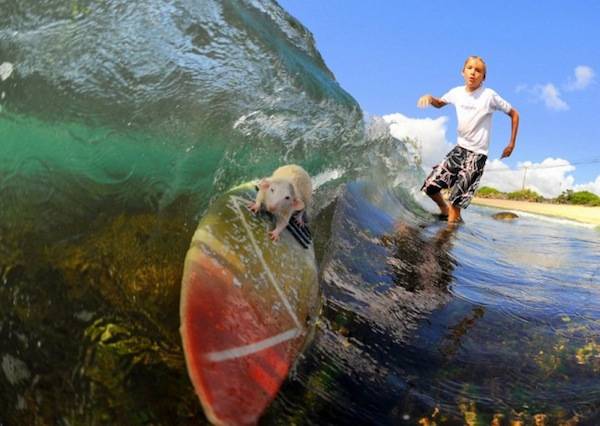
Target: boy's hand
x,y
424,101
507,151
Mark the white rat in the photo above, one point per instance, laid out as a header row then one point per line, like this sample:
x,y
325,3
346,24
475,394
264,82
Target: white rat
x,y
287,191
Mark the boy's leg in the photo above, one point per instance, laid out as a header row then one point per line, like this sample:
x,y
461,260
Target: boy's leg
x,y
453,214
466,183
442,176
439,200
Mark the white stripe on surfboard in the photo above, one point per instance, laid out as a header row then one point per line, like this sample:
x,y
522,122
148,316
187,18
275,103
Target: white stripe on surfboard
x,y
245,350
260,256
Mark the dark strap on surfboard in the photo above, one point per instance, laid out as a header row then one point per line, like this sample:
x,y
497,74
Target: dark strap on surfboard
x,y
300,232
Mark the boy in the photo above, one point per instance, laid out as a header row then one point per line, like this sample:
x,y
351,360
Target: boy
x,y
462,168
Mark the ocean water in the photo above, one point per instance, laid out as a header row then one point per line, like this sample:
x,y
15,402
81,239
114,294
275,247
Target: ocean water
x,y
121,121
492,322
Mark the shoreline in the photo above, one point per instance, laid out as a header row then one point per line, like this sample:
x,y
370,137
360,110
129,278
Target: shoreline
x,y
583,214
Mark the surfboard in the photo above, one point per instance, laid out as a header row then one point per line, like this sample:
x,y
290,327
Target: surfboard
x,y
247,308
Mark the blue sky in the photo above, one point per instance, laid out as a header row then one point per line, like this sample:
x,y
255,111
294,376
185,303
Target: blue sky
x,y
543,57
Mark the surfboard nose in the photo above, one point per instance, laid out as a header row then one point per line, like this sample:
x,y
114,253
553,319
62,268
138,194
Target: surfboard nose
x,y
242,309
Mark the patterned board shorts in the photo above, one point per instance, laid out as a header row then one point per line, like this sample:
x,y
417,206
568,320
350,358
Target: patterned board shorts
x,y
461,171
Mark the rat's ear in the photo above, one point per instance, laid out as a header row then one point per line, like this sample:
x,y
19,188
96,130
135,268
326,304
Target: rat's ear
x,y
297,204
264,184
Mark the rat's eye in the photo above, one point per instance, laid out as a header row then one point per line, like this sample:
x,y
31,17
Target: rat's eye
x,y
287,197
272,190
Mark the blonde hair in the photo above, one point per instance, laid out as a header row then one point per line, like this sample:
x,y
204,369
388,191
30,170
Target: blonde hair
x,y
478,58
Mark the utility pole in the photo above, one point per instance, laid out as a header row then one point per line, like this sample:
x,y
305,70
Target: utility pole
x,y
524,176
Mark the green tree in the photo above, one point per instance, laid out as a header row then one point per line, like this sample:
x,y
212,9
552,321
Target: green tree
x,y
585,198
489,192
564,197
525,195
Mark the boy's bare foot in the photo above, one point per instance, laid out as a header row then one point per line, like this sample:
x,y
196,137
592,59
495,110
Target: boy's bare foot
x,y
439,200
454,214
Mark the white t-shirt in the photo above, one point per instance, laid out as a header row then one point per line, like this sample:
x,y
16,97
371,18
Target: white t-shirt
x,y
474,113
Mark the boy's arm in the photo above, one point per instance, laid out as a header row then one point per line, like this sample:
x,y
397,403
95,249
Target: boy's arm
x,y
514,128
426,100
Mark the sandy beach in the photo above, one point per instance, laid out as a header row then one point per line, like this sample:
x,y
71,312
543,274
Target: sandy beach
x,y
583,214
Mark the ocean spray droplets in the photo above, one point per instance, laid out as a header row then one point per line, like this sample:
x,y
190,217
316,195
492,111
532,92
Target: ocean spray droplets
x,y
6,70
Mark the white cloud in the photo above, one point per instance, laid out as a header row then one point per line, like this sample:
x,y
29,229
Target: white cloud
x,y
430,135
584,76
593,186
521,88
548,178
549,94
551,97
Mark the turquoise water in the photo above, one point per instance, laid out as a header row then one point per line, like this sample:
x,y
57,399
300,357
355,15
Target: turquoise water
x,y
121,122
149,103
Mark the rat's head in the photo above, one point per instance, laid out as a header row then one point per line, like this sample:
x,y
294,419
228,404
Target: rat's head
x,y
280,196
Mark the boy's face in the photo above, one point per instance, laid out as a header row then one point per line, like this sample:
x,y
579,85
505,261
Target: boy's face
x,y
473,73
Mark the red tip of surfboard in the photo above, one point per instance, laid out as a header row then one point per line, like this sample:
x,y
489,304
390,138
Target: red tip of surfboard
x,y
234,374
